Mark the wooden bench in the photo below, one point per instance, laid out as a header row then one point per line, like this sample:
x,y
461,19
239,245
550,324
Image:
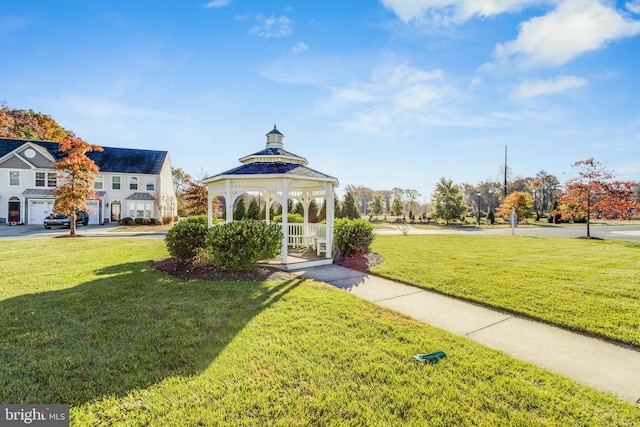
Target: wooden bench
x,y
320,244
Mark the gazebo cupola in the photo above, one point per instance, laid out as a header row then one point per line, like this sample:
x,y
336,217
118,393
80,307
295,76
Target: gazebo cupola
x,y
274,138
278,175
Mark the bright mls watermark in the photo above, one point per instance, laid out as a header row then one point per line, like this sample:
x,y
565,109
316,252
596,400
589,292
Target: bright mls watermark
x,y
34,415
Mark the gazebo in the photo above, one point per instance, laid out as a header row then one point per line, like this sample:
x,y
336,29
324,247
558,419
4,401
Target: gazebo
x,y
278,175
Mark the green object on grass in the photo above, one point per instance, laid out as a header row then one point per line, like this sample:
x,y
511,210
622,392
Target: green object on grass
x,y
431,357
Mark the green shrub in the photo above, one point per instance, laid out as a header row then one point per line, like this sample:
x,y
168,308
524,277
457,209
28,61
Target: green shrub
x,y
138,221
186,237
239,245
292,218
352,237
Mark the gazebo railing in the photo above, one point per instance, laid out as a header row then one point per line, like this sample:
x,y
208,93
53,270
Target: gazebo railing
x,y
306,234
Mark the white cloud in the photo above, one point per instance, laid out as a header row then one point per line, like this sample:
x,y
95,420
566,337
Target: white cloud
x,y
633,6
270,26
300,47
445,11
216,3
575,27
391,98
559,84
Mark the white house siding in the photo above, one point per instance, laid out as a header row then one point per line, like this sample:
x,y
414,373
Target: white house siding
x,y
35,206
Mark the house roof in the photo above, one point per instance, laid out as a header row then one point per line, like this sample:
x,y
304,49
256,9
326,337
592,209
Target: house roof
x,y
47,192
140,196
112,159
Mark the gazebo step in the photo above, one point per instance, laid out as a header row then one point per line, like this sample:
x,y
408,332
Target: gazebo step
x,y
304,264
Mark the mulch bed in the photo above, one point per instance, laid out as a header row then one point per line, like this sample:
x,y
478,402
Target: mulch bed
x,y
188,271
260,273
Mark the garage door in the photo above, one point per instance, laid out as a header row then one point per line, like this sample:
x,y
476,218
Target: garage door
x,y
94,205
38,209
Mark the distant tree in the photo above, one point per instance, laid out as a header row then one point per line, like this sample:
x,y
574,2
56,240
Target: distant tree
x,y
362,196
411,196
298,208
594,194
545,190
397,207
337,207
76,173
349,208
376,206
181,181
195,198
448,202
253,211
25,124
387,196
313,211
240,210
322,213
6,122
263,212
521,201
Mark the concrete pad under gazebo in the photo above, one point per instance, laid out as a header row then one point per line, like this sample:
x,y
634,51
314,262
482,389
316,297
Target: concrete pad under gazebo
x,y
278,175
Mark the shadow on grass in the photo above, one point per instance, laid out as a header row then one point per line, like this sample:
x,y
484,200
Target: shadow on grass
x,y
128,329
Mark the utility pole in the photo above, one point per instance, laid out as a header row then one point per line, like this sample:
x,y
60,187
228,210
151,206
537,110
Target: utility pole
x,y
505,171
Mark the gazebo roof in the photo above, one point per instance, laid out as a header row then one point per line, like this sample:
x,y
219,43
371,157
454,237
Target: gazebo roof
x,y
278,168
273,161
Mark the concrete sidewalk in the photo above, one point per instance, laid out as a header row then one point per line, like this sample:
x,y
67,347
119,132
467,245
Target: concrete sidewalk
x,y
596,363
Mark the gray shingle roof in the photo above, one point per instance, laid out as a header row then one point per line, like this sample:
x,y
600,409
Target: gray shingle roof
x,y
274,168
272,151
45,192
140,196
112,159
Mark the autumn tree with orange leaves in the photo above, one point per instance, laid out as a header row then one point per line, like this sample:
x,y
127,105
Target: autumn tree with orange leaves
x,y
76,174
520,201
595,194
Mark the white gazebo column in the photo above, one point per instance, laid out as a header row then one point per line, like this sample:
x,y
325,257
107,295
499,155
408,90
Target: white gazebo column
x,y
228,202
210,197
267,207
306,202
285,220
329,214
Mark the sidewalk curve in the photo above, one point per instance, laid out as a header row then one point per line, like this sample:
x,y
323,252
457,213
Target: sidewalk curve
x,y
596,363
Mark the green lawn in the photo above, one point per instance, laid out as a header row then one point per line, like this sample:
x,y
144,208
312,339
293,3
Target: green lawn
x,y
586,285
87,322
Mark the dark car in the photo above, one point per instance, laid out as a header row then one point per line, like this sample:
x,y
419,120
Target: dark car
x,y
61,220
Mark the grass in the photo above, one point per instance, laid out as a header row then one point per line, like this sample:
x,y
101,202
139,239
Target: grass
x,y
87,322
586,285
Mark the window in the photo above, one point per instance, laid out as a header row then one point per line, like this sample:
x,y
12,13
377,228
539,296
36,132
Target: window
x,y
115,182
133,183
151,184
51,179
98,182
14,178
46,179
140,210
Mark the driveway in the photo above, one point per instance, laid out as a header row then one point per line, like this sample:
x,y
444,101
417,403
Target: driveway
x,y
38,231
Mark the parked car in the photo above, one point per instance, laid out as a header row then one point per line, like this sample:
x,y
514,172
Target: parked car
x,y
61,220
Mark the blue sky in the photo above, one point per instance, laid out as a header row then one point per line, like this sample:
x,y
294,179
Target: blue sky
x,y
381,93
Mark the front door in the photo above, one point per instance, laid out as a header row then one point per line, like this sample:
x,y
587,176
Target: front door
x,y
14,211
115,212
